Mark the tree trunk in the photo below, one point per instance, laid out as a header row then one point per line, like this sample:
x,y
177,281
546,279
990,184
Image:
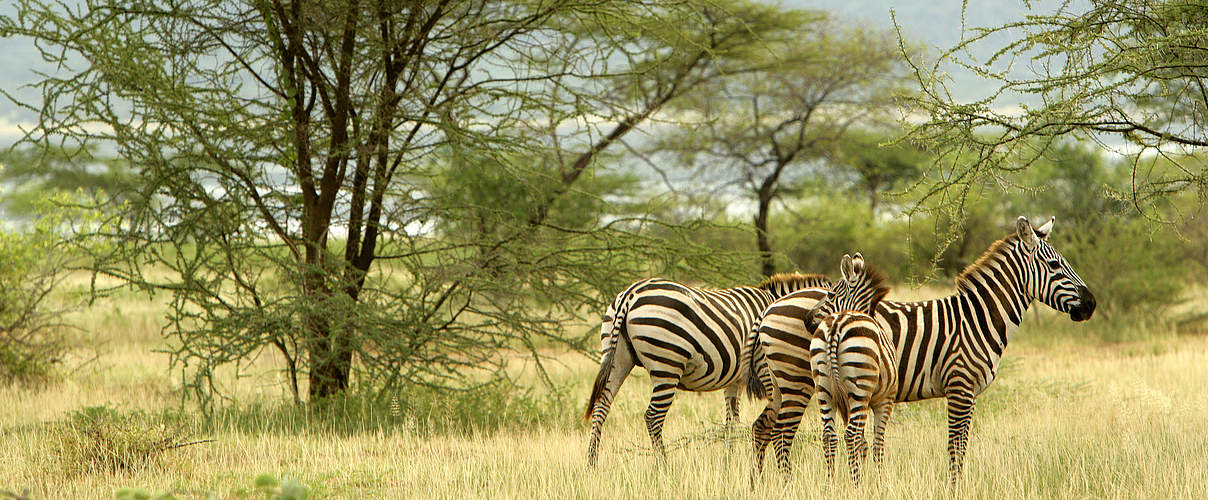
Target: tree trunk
x,y
330,356
330,360
767,265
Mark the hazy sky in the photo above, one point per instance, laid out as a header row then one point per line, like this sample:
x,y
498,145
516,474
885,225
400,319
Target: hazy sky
x,y
935,23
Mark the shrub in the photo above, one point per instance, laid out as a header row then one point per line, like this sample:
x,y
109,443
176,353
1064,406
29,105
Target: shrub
x,y
1129,266
31,334
104,439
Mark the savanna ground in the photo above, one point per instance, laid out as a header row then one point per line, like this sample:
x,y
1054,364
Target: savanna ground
x,y
1070,416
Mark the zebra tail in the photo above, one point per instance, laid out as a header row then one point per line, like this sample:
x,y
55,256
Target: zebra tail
x,y
832,353
621,310
601,379
754,354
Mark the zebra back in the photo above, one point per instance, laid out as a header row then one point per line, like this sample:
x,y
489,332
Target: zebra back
x,y
781,284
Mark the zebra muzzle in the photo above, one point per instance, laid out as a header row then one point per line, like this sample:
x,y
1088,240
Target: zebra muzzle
x,y
1086,305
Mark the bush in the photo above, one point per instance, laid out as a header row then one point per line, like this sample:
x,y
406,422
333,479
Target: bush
x,y
1128,265
103,439
31,334
830,225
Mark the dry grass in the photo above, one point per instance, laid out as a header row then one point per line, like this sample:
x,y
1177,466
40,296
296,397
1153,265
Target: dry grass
x,y
1067,418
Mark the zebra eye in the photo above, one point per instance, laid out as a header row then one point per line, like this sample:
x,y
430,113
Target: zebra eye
x,y
1053,263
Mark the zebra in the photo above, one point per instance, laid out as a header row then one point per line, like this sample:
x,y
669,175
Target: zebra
x,y
686,337
855,365
948,347
861,288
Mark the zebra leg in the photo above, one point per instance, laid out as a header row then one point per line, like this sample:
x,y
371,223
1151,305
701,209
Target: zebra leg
x,y
660,401
763,430
830,441
881,413
960,413
786,429
731,412
622,365
795,397
857,446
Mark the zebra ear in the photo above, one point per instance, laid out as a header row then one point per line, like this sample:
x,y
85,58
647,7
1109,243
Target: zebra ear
x,y
857,262
847,268
1027,235
1043,231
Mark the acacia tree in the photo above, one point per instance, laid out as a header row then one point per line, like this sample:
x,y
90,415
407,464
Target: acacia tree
x,y
758,131
1121,72
292,156
30,176
877,161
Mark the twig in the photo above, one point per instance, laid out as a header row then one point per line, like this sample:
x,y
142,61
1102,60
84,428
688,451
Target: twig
x,y
190,443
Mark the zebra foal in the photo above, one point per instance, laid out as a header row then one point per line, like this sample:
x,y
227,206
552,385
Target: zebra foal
x,y
855,366
686,337
778,354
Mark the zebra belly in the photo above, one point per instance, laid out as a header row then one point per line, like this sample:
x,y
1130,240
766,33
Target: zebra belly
x,y
666,356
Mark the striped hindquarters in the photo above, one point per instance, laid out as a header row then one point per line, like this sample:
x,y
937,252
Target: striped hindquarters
x,y
854,361
780,347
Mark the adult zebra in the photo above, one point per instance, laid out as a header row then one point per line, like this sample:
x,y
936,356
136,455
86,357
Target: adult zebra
x,y
948,347
686,337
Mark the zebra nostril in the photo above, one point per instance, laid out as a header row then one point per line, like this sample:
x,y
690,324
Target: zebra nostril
x,y
1086,298
1086,305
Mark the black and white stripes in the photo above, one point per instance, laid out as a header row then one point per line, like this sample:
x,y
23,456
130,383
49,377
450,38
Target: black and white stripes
x,y
686,337
948,347
856,366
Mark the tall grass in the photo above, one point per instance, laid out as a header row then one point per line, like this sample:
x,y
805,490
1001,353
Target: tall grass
x,y
1070,416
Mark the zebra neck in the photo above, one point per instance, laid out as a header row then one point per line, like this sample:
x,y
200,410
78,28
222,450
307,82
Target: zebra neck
x,y
993,298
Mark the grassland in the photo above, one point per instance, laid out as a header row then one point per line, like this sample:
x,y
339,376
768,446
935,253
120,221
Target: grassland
x,y
1069,417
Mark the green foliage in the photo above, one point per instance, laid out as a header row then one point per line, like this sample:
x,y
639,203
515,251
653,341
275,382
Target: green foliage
x,y
1133,268
104,439
486,195
761,134
879,165
464,181
33,261
823,227
1123,72
30,176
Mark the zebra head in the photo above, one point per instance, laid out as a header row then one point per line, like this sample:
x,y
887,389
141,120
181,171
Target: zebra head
x,y
1048,277
860,289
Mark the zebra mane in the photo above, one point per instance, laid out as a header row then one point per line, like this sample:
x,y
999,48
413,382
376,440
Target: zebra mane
x,y
876,279
992,254
794,281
